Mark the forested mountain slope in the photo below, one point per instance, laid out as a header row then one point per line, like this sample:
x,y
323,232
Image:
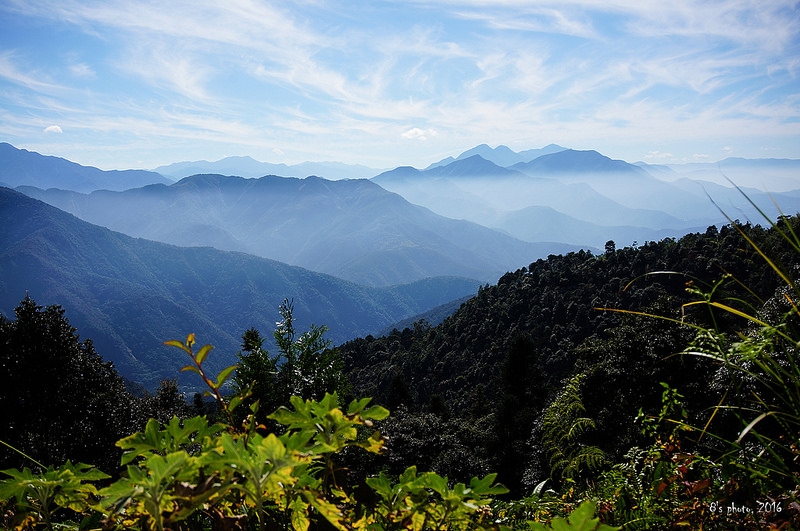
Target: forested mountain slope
x,y
487,372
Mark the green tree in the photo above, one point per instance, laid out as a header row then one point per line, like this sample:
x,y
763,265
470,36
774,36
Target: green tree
x,y
256,376
168,402
398,394
521,398
58,399
310,367
306,366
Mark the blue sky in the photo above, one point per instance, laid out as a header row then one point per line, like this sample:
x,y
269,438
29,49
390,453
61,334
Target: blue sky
x,y
124,84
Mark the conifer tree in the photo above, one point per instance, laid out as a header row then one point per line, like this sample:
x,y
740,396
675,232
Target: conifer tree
x,y
58,399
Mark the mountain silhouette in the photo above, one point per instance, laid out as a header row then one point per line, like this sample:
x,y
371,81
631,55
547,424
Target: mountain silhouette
x,y
21,167
574,161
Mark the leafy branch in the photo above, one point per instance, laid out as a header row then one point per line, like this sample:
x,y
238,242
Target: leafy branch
x,y
215,385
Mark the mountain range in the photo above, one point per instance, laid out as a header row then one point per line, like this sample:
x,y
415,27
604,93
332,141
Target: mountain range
x,y
22,167
501,155
358,255
770,175
546,200
553,195
249,167
129,294
352,229
583,197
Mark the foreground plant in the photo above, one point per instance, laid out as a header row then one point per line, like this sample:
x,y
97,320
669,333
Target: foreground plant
x,y
760,361
190,474
38,496
230,474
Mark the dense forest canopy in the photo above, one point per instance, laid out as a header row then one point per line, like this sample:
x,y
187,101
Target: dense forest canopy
x,y
505,354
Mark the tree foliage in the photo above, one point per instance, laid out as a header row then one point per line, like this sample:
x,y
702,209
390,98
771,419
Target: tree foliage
x,y
306,366
195,475
628,321
562,428
59,400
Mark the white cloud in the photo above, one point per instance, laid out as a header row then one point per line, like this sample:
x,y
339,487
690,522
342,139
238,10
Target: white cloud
x,y
53,129
415,133
658,155
770,25
531,18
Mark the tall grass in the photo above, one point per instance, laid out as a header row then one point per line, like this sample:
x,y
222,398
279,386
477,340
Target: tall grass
x,y
757,365
761,361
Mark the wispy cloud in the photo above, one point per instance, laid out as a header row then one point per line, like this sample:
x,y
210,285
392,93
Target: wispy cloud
x,y
13,72
357,81
531,18
161,66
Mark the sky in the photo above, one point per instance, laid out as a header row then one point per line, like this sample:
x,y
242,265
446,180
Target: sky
x,y
138,84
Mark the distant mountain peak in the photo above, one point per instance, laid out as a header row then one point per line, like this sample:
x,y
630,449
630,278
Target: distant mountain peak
x,y
20,167
577,161
247,158
246,166
469,166
501,155
399,173
208,179
472,166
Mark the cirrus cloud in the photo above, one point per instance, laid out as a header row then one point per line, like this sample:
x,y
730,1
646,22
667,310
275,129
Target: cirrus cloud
x,y
404,82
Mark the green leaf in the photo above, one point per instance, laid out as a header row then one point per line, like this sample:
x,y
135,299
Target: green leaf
x,y
580,520
374,444
437,483
175,436
235,401
192,368
376,413
274,449
178,344
486,486
300,521
164,469
224,374
330,511
203,354
381,485
357,406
